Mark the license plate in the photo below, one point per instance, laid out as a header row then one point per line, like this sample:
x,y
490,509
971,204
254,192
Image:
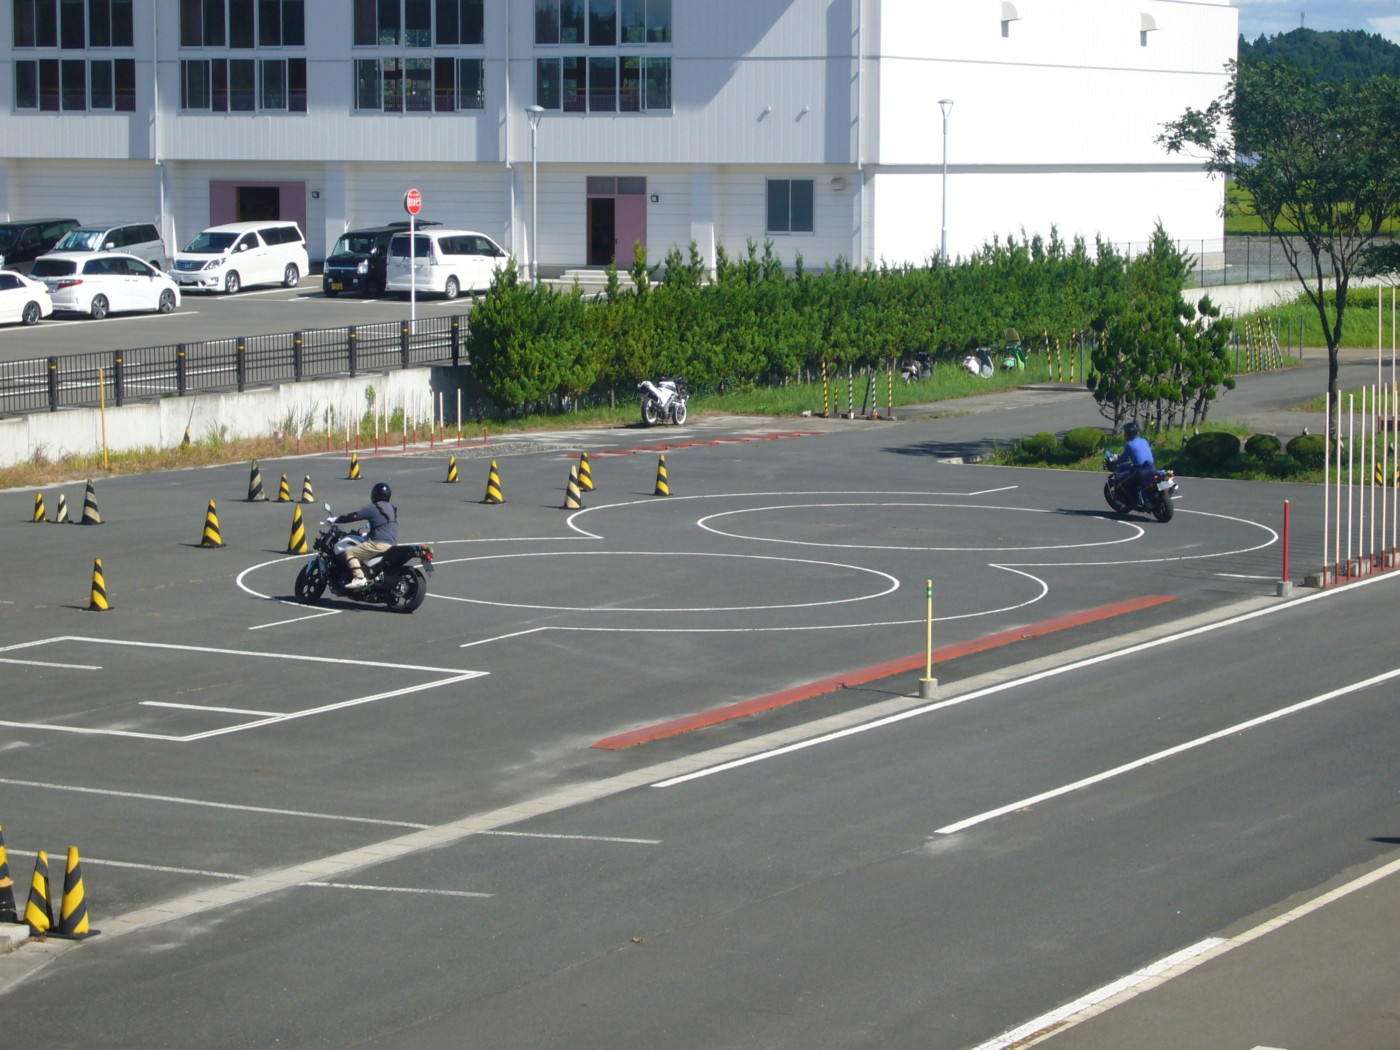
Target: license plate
x,y
336,286
1163,486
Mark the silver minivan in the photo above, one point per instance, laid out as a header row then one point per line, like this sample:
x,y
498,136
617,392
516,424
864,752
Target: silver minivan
x,y
238,254
140,239
444,262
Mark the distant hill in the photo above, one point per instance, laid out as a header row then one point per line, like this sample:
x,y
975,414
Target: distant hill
x,y
1334,55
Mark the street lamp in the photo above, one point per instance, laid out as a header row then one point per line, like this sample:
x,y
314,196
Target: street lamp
x,y
534,113
946,105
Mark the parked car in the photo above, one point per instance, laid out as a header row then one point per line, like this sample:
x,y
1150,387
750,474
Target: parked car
x,y
99,283
238,254
140,239
359,260
445,262
23,299
23,241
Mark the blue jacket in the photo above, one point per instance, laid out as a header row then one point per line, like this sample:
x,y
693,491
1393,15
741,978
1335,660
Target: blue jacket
x,y
1139,453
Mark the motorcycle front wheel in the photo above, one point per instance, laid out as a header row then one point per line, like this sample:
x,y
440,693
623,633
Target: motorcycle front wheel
x,y
406,591
680,415
1110,494
1161,507
649,416
311,584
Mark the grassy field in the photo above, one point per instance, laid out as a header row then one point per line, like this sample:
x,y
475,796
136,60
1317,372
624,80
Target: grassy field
x,y
1359,326
1240,217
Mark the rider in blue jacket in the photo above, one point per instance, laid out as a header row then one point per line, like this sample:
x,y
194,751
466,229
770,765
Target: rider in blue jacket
x,y
1136,464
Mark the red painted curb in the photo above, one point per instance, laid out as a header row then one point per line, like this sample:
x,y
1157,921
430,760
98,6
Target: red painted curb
x,y
869,674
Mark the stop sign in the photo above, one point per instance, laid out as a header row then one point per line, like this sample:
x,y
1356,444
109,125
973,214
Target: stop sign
x,y
412,202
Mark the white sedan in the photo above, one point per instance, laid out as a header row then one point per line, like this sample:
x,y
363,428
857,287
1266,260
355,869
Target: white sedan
x,y
23,299
103,283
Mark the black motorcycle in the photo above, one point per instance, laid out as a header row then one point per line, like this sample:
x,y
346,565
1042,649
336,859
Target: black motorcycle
x,y
393,582
1154,498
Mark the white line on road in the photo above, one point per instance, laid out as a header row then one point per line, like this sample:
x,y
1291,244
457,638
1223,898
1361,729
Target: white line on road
x,y
396,889
206,707
45,663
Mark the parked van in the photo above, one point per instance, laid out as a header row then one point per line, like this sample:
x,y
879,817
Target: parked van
x,y
229,257
140,239
446,262
359,261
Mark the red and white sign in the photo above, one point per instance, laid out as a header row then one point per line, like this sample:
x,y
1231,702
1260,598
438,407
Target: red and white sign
x,y
412,202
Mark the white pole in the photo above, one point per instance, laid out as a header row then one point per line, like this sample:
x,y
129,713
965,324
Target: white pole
x,y
412,272
946,105
1351,481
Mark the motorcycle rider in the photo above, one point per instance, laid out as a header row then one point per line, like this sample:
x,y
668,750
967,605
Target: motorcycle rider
x,y
1135,465
383,518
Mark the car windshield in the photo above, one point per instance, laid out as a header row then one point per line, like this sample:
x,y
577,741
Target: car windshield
x,y
211,243
80,241
52,267
422,249
354,244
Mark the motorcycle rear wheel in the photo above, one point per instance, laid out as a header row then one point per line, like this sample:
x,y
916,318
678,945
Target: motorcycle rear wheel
x,y
405,591
311,584
680,414
1111,497
649,414
1161,507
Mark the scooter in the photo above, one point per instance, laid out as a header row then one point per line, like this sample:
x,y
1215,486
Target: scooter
x,y
662,400
979,363
393,582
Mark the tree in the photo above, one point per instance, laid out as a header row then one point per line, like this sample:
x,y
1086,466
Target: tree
x,y
1320,160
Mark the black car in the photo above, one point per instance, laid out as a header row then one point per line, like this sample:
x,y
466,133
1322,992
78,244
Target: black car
x,y
357,262
23,241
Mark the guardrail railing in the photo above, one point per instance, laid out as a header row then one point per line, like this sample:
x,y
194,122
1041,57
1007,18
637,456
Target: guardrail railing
x,y
72,380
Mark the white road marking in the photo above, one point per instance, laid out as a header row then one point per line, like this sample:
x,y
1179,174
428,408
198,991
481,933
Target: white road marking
x,y
396,889
44,663
206,707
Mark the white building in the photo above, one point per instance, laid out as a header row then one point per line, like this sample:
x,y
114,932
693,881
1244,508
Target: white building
x,y
815,122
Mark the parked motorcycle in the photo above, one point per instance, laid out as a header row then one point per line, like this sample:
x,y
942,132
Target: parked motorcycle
x,y
1154,498
393,582
662,400
979,363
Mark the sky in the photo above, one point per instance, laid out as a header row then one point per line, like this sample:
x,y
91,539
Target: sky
x,y
1280,16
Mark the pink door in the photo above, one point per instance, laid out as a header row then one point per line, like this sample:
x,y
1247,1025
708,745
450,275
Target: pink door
x,y
631,220
247,200
617,219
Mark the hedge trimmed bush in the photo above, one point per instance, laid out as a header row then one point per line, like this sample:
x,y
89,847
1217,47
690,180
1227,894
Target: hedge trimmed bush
x,y
1214,448
1263,447
1084,441
1040,446
1309,449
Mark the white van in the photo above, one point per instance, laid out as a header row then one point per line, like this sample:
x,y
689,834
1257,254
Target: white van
x,y
229,257
446,262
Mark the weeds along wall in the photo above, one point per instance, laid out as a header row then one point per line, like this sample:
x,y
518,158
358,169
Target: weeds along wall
x,y
312,407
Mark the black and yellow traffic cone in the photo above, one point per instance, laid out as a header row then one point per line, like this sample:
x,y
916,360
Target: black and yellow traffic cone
x,y
493,486
307,496
72,907
211,536
90,515
284,491
60,515
7,886
354,474
573,499
296,543
255,489
451,478
38,912
585,473
40,514
186,442
663,482
97,601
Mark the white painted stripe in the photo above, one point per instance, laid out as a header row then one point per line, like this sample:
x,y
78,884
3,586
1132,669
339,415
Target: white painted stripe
x,y
396,889
43,663
296,657
1054,1020
579,838
296,619
1016,683
1190,745
204,707
165,868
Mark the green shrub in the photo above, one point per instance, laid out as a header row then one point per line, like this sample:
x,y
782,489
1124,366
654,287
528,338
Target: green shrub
x,y
1040,446
1309,449
1214,448
1084,441
1263,447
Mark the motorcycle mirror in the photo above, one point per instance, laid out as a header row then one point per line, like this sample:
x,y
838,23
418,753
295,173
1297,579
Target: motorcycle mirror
x,y
327,506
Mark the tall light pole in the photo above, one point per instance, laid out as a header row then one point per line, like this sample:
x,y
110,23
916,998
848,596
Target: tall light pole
x,y
946,105
535,114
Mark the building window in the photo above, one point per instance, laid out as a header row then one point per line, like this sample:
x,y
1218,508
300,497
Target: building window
x,y
419,23
243,85
242,23
602,23
52,85
419,84
790,205
73,25
603,84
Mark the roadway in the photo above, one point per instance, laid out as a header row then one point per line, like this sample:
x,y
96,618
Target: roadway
x,y
336,827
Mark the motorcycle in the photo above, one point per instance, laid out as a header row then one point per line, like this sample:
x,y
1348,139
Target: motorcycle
x,y
918,368
665,399
393,582
979,363
1155,497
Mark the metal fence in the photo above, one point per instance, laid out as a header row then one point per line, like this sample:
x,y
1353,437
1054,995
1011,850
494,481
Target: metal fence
x,y
121,376
1238,259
